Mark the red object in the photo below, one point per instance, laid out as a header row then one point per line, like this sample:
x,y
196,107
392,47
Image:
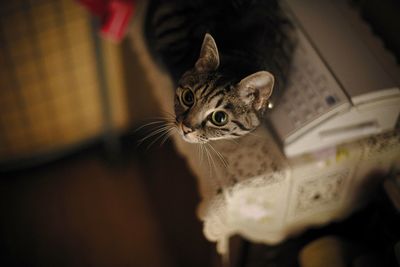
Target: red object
x,y
115,16
96,7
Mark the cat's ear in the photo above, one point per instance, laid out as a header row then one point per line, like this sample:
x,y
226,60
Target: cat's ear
x,y
256,88
209,56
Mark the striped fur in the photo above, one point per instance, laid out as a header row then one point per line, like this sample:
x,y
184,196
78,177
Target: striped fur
x,y
214,93
234,78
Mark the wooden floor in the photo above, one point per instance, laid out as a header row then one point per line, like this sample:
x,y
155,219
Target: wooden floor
x,y
86,211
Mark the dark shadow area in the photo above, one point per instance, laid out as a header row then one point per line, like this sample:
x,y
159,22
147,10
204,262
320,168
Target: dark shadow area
x,y
84,210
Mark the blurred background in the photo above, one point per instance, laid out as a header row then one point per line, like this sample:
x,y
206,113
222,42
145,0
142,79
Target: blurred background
x,y
75,187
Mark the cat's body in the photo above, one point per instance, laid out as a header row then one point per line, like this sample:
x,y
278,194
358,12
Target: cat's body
x,y
228,85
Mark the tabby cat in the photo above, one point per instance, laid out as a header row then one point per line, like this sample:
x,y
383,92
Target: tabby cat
x,y
227,59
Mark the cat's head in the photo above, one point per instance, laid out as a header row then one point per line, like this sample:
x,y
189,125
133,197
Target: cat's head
x,y
210,107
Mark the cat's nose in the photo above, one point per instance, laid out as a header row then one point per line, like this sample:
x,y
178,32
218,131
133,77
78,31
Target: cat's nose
x,y
186,129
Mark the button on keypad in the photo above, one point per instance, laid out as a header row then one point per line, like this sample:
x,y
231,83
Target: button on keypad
x,y
307,96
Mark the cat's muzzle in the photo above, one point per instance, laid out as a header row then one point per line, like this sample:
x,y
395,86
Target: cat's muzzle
x,y
189,135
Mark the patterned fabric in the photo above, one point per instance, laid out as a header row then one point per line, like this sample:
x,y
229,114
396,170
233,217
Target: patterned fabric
x,y
266,198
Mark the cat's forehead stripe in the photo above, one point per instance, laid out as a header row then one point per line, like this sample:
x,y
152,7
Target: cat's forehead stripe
x,y
210,96
219,102
204,89
196,87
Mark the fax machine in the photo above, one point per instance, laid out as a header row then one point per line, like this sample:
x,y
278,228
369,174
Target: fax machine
x,y
343,85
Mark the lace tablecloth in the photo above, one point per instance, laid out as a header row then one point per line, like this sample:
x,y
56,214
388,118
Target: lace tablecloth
x,y
260,194
265,197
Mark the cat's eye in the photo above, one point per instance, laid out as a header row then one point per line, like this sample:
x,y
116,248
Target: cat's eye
x,y
187,97
219,118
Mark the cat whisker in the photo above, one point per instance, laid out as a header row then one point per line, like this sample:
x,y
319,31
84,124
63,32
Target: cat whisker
x,y
169,133
163,133
198,146
213,162
201,146
158,130
152,123
203,150
209,160
233,141
168,114
219,155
